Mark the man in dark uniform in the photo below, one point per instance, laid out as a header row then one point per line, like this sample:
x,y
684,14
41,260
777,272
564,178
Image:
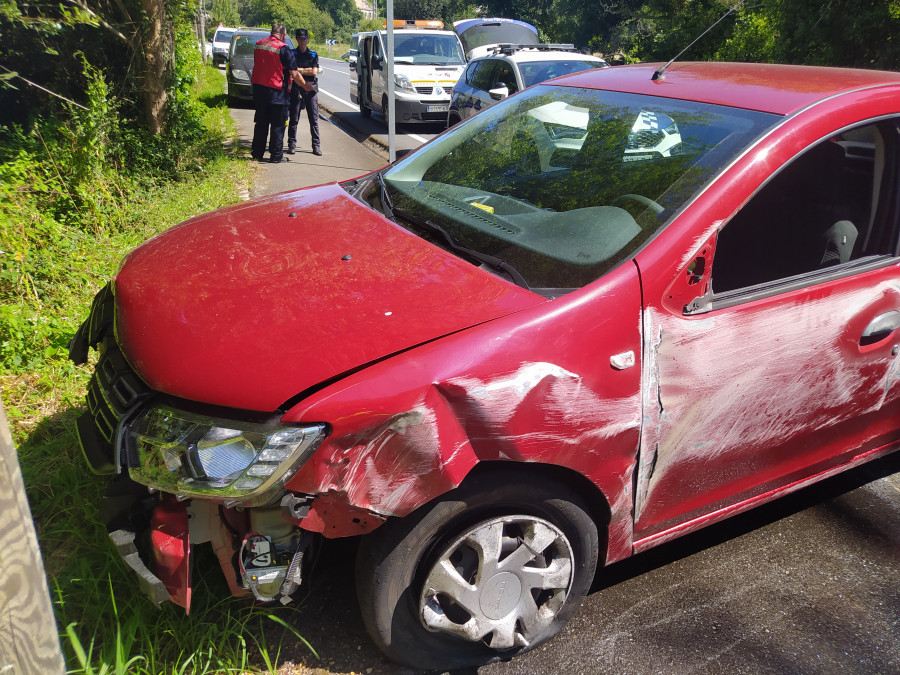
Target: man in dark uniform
x,y
308,65
274,67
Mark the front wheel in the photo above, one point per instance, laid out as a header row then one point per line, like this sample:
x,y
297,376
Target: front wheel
x,y
490,570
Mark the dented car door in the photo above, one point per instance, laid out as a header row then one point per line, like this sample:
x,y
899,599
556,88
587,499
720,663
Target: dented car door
x,y
800,320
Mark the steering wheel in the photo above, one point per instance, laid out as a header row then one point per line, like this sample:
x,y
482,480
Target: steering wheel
x,y
644,202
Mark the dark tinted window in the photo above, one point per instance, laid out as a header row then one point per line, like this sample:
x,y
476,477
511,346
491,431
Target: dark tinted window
x,y
539,71
507,76
471,71
484,76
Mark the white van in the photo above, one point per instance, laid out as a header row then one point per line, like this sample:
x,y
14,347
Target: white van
x,y
220,43
427,63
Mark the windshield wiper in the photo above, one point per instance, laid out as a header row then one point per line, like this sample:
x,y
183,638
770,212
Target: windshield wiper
x,y
386,198
485,258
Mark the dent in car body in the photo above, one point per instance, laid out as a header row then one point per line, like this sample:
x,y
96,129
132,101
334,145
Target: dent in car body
x,y
486,394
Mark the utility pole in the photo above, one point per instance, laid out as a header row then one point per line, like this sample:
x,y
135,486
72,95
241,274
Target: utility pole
x,y
202,32
392,107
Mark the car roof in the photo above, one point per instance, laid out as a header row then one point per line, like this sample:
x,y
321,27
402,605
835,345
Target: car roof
x,y
527,55
772,88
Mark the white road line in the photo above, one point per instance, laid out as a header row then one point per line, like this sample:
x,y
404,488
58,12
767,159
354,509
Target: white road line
x,y
351,105
337,98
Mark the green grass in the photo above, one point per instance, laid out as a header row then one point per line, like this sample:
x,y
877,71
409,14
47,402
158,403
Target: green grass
x,y
336,50
54,259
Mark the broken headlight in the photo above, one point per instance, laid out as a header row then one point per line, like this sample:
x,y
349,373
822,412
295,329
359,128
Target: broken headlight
x,y
197,456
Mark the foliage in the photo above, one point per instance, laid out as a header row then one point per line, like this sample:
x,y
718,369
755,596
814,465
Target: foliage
x,y
223,12
837,33
345,16
293,14
69,210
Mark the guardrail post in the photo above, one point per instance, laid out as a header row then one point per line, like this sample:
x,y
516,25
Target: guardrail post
x,y
29,641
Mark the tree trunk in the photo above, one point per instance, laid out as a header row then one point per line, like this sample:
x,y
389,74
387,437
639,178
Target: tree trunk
x,y
158,47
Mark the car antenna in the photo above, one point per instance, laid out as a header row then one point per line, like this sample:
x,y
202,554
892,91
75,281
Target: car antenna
x,y
658,75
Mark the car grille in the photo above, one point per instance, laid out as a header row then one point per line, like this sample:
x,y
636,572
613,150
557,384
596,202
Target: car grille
x,y
429,90
434,117
113,391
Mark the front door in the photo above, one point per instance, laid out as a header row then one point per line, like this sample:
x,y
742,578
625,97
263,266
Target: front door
x,y
788,367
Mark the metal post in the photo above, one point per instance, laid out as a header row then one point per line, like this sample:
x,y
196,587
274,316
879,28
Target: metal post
x,y
389,59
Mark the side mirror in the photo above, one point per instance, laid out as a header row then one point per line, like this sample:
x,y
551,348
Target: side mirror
x,y
377,61
499,92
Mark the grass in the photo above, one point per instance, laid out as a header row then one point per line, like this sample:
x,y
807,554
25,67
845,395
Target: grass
x,y
106,624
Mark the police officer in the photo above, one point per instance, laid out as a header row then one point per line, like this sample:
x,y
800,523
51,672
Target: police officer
x,y
274,67
308,64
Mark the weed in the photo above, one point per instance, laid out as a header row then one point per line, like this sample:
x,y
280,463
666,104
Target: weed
x,y
69,210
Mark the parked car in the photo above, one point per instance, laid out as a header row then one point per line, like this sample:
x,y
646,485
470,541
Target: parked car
x,y
220,43
511,68
240,61
604,313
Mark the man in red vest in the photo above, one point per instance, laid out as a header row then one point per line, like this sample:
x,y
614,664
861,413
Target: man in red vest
x,y
274,66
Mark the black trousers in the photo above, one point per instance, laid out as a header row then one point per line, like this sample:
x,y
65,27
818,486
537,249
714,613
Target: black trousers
x,y
269,120
310,101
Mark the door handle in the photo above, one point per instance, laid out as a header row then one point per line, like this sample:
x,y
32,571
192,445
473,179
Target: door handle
x,y
880,327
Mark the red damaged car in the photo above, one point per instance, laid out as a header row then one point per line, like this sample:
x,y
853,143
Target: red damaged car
x,y
609,311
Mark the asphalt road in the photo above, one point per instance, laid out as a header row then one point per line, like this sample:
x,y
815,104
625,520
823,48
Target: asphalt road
x,y
334,95
808,584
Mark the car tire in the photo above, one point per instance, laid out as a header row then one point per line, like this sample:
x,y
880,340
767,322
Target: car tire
x,y
402,565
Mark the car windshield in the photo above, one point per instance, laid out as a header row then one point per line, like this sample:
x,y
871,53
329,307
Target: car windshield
x,y
564,183
223,35
539,71
438,50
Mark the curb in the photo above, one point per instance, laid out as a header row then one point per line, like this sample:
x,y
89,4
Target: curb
x,y
374,144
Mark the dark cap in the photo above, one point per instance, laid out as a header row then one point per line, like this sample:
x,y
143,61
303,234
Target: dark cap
x,y
302,34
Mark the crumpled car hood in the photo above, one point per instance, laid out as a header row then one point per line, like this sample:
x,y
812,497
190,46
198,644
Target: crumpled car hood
x,y
249,306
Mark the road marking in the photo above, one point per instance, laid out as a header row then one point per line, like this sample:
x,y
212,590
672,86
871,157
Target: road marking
x,y
352,106
342,71
337,98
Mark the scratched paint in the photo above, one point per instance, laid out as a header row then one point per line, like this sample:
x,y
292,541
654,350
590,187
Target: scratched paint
x,y
539,413
744,398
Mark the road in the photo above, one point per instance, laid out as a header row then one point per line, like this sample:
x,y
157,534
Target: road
x,y
806,584
334,95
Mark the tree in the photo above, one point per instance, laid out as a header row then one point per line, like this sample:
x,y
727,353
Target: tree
x,y
345,16
224,12
133,40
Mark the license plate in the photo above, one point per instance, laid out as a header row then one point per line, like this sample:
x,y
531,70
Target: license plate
x,y
436,108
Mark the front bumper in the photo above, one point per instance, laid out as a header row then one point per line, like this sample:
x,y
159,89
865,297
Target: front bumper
x,y
413,110
240,90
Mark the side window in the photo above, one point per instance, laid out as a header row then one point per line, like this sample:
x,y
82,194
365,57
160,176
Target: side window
x,y
484,76
834,203
471,72
376,50
507,76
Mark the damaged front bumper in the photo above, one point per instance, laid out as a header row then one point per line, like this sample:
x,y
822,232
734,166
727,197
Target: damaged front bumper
x,y
260,552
